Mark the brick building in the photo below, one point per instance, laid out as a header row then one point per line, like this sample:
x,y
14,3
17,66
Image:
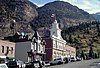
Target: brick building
x,y
55,44
7,48
70,51
24,50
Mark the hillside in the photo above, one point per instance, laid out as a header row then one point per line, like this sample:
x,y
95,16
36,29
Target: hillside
x,y
15,15
84,36
66,14
97,16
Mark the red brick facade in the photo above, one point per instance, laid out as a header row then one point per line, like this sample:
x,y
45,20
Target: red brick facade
x,y
7,48
48,49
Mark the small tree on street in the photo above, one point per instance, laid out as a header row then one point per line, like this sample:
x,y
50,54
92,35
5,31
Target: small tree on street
x,y
83,55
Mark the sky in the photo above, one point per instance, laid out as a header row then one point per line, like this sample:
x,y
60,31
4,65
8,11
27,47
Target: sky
x,y
91,6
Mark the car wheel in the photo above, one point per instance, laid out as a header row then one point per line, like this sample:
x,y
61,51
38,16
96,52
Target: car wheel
x,y
51,64
59,63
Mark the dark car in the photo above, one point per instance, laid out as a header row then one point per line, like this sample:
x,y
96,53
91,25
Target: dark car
x,y
34,64
78,59
12,64
66,60
72,59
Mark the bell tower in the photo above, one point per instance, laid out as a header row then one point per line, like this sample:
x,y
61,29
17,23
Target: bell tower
x,y
55,30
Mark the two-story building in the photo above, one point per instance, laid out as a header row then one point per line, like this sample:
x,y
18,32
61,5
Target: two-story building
x,y
7,49
37,50
55,44
24,50
70,51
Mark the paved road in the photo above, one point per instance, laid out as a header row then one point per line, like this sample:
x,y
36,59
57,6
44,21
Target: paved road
x,y
79,64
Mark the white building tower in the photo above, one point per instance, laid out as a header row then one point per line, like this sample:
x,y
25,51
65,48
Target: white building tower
x,y
55,30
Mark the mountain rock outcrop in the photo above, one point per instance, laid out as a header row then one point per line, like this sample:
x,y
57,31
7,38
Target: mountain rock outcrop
x,y
15,16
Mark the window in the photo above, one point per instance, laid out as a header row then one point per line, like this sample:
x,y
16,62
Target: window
x,y
35,46
7,49
2,49
11,50
39,47
56,44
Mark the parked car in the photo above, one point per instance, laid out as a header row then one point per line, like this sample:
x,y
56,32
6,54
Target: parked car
x,y
57,61
34,64
20,63
66,60
3,59
78,59
12,64
3,65
42,63
72,59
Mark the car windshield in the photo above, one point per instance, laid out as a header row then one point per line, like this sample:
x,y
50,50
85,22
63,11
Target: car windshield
x,y
2,60
20,61
72,57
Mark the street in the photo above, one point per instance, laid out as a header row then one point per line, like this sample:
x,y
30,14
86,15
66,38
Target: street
x,y
79,64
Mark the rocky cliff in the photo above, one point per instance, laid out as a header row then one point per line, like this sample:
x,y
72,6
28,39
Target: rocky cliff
x,y
15,16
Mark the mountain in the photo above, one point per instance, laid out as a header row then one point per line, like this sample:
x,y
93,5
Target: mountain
x,y
83,36
15,16
66,14
97,16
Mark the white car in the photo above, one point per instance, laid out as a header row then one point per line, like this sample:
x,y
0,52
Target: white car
x,y
20,64
42,63
72,59
57,61
3,59
3,65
